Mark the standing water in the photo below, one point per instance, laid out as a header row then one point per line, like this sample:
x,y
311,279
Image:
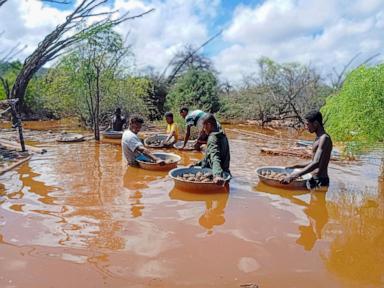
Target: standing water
x,y
76,217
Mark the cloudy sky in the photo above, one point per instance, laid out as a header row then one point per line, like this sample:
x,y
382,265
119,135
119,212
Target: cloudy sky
x,y
323,33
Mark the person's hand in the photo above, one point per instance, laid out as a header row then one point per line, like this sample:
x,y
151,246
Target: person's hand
x,y
160,161
196,146
292,167
191,165
288,179
218,180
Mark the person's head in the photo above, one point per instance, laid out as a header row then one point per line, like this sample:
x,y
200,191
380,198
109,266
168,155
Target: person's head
x,y
184,112
313,121
118,112
209,123
169,117
135,123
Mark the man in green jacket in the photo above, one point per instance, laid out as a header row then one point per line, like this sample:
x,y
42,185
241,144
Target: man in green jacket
x,y
217,155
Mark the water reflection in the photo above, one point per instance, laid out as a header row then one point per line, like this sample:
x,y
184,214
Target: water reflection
x,y
2,189
215,204
357,247
316,212
30,184
78,204
135,180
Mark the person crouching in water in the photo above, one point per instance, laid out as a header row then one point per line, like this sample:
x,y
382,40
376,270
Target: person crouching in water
x,y
217,156
194,118
133,148
172,130
321,149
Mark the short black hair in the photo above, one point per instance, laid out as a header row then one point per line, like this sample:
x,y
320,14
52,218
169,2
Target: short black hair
x,y
210,118
118,110
136,119
313,116
184,109
168,114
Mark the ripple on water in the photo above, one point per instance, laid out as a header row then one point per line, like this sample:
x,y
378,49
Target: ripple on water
x,y
79,205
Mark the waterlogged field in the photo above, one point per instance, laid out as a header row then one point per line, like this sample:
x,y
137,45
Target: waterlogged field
x,y
76,217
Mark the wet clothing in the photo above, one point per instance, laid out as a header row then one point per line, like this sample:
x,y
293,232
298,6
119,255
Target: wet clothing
x,y
317,182
143,158
130,142
194,118
173,128
217,155
118,123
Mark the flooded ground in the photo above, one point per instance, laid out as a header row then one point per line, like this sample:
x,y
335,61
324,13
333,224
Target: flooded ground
x,y
75,217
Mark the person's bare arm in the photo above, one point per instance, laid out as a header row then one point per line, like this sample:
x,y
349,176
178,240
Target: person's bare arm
x,y
298,166
315,163
199,138
187,135
148,153
170,135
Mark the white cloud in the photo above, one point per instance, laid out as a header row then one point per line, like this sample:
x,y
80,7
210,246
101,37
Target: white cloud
x,y
325,33
154,38
26,22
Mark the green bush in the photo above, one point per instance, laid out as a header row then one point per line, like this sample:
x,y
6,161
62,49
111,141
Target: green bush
x,y
355,113
195,88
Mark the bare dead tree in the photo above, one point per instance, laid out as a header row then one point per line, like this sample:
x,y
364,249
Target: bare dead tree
x,y
58,40
160,83
2,2
338,77
102,55
12,53
278,92
185,57
73,30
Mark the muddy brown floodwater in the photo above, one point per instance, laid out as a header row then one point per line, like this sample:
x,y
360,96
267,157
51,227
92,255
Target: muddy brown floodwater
x,y
75,217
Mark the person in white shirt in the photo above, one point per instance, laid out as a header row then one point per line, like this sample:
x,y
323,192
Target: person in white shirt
x,y
194,118
133,148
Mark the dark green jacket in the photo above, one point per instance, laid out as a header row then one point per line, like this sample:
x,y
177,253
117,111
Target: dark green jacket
x,y
217,156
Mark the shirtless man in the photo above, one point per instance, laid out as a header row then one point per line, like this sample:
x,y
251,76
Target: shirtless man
x,y
321,148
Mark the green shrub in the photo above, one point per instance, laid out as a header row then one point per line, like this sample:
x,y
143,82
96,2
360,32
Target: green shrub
x,y
356,112
195,88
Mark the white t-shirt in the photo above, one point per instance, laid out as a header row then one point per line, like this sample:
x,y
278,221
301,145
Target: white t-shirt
x,y
194,118
130,142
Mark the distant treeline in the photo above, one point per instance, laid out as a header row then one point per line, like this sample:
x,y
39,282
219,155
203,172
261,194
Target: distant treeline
x,y
92,79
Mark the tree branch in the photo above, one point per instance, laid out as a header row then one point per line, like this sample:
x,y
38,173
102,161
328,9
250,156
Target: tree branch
x,y
191,54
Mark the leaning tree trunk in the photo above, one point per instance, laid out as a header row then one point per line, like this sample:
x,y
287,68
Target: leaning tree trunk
x,y
16,120
17,123
97,106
